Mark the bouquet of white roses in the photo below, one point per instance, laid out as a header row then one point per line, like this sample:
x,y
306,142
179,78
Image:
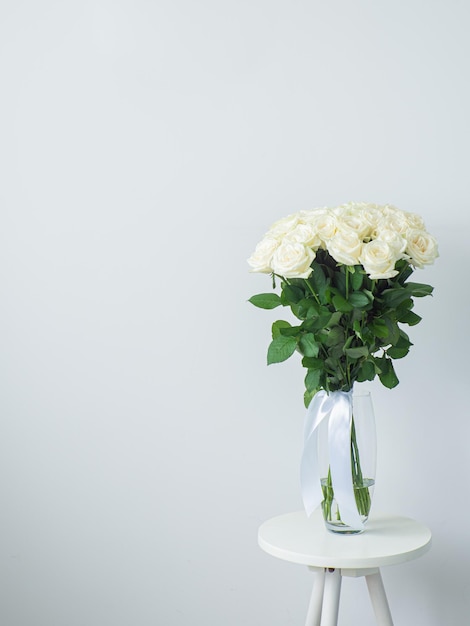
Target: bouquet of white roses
x,y
343,272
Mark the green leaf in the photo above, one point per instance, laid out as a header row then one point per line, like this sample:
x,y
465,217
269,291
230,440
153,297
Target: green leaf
x,y
419,290
393,297
410,318
312,310
277,326
308,395
357,353
305,308
334,336
280,349
291,294
366,371
293,331
356,279
397,353
357,327
312,363
379,328
298,312
393,330
334,319
387,375
330,365
401,348
336,351
358,299
318,280
404,338
406,305
308,346
405,270
266,300
339,280
369,339
312,380
341,304
323,321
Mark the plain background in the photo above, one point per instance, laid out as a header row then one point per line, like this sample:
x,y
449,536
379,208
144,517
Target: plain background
x,y
145,147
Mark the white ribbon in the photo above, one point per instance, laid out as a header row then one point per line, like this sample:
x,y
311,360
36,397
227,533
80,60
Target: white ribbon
x,y
337,408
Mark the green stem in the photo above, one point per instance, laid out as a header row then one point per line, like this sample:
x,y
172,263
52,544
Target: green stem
x,y
312,291
361,491
348,372
355,461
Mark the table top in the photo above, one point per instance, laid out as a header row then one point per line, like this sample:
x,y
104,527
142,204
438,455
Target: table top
x,y
387,540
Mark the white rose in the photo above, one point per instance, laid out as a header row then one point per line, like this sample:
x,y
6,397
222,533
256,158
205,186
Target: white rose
x,y
283,226
343,209
421,247
325,224
415,221
260,260
303,233
394,240
356,222
306,216
292,260
393,219
372,214
378,259
345,247
351,208
389,209
360,217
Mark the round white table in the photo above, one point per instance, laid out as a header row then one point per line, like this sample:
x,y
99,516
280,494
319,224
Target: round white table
x,y
387,540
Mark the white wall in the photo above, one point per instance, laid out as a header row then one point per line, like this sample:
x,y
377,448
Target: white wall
x,y
144,149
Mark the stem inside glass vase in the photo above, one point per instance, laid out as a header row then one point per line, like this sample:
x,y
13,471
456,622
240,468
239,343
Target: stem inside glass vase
x,y
361,486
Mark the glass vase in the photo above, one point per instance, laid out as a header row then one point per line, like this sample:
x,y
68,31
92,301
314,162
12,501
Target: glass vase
x,y
360,449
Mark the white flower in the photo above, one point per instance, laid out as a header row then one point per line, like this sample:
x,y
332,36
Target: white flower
x,y
360,217
325,224
260,260
345,247
292,260
393,219
303,233
378,259
394,240
347,232
306,215
283,226
415,221
357,223
372,214
389,209
421,247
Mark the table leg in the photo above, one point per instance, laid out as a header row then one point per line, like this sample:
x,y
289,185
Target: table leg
x,y
331,593
316,599
379,599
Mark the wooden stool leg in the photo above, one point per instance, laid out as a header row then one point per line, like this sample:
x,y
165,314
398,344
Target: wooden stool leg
x,y
316,599
379,599
331,594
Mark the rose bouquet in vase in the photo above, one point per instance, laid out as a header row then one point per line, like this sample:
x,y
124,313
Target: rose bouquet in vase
x,y
344,273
